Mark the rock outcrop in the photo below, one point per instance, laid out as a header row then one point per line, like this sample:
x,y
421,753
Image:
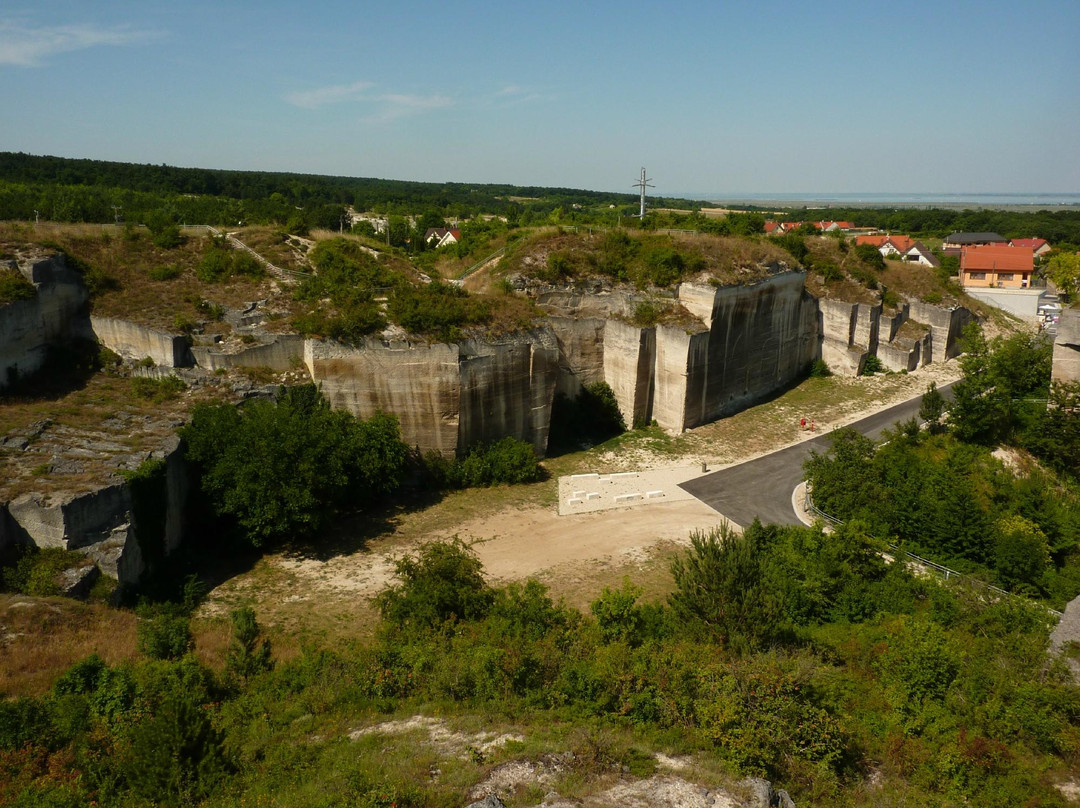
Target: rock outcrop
x,y
54,316
447,397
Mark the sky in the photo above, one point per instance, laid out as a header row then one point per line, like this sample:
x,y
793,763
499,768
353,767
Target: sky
x,y
718,98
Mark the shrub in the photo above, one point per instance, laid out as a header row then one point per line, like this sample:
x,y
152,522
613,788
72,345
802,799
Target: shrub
x,y
246,657
720,585
819,370
14,286
163,633
870,255
176,755
157,390
37,571
442,582
872,365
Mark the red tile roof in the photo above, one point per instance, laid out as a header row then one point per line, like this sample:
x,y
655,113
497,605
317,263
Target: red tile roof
x,y
996,258
1030,243
877,241
902,243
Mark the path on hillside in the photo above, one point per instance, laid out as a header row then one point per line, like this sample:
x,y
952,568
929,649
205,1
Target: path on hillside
x,y
762,487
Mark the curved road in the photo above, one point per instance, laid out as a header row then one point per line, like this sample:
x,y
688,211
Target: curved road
x,y
762,487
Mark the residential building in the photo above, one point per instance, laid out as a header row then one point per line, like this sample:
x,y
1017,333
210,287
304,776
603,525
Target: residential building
x,y
956,242
996,266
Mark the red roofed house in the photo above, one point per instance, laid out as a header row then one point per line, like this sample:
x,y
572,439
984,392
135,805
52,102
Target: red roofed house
x,y
888,245
1038,246
1001,267
770,227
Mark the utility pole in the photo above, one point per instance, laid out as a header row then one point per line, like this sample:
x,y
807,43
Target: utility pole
x,y
643,183
37,217
118,208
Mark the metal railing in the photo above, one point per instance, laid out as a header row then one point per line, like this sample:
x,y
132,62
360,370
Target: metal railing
x,y
946,572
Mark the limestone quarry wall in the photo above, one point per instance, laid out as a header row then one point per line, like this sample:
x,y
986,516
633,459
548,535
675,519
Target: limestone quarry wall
x,y
582,350
282,353
101,523
629,359
134,341
420,384
446,397
53,316
762,337
945,328
1067,347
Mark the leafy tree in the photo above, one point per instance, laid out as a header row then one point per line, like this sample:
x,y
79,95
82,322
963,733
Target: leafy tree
x,y
164,632
919,665
932,407
1021,553
176,755
1064,270
720,584
869,254
282,468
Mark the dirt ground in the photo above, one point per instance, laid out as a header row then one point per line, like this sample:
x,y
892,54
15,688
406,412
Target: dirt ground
x,y
576,555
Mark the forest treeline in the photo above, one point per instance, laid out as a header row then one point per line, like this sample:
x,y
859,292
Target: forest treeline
x,y
72,190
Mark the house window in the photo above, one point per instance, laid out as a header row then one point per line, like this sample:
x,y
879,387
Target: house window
x,y
977,276
1005,276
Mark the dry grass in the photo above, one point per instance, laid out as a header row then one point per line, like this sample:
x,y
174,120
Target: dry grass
x,y
41,637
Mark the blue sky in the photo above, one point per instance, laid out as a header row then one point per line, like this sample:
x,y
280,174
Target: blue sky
x,y
720,97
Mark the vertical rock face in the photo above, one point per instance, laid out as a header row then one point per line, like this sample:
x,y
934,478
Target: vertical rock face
x,y
446,397
837,328
136,342
1067,347
629,359
101,523
282,353
945,328
56,314
420,384
762,337
507,389
582,352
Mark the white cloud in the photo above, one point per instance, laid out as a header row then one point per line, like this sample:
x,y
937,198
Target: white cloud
x,y
313,99
26,46
385,106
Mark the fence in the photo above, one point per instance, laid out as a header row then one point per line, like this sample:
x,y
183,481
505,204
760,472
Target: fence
x,y
945,572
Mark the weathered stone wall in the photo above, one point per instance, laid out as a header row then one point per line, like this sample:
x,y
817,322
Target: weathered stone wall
x,y
53,316
582,351
420,384
282,353
837,333
100,523
1067,347
446,397
629,359
134,341
507,389
945,328
762,337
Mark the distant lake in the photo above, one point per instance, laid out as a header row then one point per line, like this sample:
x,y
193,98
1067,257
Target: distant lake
x,y
885,199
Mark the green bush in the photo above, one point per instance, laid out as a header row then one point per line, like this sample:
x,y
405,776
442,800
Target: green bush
x,y
36,572
163,633
14,286
282,468
870,255
871,365
157,390
246,657
442,582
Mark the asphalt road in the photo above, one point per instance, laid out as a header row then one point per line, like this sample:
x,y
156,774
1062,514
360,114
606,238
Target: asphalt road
x,y
762,487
